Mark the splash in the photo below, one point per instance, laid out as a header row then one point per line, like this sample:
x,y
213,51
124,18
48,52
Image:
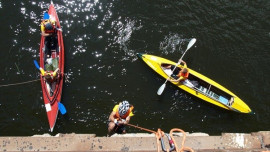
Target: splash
x,y
124,34
172,43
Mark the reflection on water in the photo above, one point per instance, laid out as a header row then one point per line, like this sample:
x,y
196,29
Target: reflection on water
x,y
101,41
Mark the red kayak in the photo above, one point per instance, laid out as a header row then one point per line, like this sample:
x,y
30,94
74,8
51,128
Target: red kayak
x,y
52,91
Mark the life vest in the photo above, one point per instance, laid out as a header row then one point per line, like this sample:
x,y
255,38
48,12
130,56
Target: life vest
x,y
185,75
44,22
117,115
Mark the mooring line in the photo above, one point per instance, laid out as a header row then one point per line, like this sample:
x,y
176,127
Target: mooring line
x,y
6,85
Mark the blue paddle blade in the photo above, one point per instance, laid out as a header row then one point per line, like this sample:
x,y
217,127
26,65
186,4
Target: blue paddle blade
x,y
36,64
46,16
62,108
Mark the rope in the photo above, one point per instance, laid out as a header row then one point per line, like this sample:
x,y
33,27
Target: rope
x,y
6,85
183,141
142,128
159,134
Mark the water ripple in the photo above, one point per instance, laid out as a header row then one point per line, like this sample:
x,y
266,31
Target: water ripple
x,y
172,43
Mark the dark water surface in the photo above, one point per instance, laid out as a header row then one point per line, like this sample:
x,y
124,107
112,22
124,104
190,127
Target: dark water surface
x,y
101,41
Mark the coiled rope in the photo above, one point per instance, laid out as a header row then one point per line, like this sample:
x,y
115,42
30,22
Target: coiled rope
x,y
159,134
6,85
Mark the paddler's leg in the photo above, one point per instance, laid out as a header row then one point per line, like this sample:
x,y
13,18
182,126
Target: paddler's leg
x,y
47,44
111,128
48,85
121,129
53,86
54,43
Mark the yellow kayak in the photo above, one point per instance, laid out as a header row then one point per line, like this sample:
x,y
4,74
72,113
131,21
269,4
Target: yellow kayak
x,y
198,85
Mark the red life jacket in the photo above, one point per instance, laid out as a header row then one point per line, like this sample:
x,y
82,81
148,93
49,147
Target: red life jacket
x,y
117,115
44,22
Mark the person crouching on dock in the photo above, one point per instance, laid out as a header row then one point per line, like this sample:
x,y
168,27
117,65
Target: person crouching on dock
x,y
119,117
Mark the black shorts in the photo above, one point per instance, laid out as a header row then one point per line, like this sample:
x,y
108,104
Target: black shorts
x,y
176,71
118,128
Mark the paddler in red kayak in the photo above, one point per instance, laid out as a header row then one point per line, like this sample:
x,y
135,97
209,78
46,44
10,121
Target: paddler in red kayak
x,y
119,117
49,31
50,77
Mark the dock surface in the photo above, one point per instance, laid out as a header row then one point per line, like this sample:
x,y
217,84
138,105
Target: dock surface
x,y
199,142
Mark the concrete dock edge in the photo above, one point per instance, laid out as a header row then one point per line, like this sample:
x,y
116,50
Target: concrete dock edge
x,y
199,142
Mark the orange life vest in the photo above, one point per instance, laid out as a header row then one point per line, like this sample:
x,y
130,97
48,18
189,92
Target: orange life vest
x,y
117,115
185,75
44,22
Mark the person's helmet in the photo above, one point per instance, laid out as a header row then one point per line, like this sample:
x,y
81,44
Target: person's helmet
x,y
48,26
123,108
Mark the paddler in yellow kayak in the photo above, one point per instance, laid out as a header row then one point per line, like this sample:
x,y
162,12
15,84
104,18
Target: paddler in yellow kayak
x,y
178,74
119,117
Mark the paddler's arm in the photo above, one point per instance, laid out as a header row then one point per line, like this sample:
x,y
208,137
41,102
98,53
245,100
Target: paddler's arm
x,y
111,117
184,63
124,121
45,34
127,120
181,78
42,71
55,72
176,80
42,28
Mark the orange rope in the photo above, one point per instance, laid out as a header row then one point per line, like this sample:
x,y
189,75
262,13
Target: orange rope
x,y
159,134
142,128
183,141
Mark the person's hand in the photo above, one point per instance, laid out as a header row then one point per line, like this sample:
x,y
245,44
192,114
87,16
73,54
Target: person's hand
x,y
115,121
122,122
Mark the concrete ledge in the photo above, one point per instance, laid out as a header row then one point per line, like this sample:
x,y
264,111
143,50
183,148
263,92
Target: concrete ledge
x,y
254,142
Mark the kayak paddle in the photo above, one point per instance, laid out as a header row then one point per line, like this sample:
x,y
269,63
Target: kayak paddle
x,y
36,64
39,68
62,108
162,87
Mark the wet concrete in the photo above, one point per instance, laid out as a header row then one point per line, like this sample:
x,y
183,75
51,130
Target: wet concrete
x,y
253,142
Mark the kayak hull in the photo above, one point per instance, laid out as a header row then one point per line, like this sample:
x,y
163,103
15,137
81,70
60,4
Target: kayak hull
x,y
206,89
52,92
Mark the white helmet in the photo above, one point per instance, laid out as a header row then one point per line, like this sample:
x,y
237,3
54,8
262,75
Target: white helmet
x,y
123,108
